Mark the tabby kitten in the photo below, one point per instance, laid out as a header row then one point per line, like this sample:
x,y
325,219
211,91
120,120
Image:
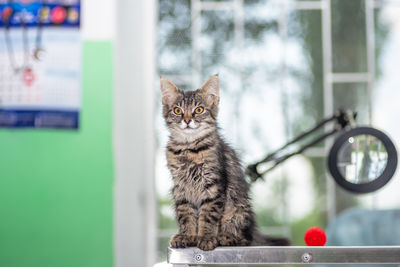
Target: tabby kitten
x,y
210,192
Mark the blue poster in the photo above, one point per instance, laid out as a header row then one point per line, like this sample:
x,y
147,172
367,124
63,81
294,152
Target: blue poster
x,y
40,63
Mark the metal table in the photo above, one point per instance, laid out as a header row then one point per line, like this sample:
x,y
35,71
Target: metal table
x,y
234,256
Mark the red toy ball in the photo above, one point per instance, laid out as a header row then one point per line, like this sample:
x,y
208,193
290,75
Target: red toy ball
x,y
315,236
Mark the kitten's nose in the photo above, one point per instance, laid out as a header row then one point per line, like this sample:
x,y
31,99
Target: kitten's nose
x,y
187,121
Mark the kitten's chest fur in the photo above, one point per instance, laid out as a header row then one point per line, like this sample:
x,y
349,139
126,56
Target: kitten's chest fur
x,y
194,170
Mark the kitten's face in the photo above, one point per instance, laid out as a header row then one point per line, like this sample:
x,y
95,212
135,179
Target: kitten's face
x,y
190,115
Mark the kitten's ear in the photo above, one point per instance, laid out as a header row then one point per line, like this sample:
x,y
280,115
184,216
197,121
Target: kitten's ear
x,y
169,91
210,90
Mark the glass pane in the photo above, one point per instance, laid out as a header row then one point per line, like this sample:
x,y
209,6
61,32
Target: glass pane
x,y
352,96
174,38
260,20
386,92
348,36
304,61
362,159
260,99
217,43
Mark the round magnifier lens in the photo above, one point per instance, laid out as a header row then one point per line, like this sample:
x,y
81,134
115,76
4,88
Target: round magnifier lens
x,y
362,160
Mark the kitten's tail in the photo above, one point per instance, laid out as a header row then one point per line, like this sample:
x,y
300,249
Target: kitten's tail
x,y
263,240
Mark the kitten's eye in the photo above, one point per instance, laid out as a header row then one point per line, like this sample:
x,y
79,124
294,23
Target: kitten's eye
x,y
199,110
178,111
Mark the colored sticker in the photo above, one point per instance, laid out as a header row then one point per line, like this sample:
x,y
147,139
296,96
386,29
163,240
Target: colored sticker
x,y
58,15
28,77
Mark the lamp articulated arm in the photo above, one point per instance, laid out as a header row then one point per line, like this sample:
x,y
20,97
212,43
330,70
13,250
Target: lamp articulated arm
x,y
342,118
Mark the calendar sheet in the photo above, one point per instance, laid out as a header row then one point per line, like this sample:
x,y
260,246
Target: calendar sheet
x,y
40,91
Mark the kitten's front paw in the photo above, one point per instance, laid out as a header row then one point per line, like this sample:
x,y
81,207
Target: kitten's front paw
x,y
182,241
207,242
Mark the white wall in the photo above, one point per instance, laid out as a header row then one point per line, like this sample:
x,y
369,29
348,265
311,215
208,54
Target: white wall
x,y
135,206
98,19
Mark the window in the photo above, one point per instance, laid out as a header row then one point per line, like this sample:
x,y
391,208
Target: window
x,y
283,65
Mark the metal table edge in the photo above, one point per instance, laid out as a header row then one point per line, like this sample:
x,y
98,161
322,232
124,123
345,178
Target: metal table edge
x,y
286,255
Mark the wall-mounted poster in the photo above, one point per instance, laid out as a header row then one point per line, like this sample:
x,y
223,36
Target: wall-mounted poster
x,y
40,63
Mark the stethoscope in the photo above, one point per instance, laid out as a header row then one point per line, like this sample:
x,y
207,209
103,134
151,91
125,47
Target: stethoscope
x,y
38,52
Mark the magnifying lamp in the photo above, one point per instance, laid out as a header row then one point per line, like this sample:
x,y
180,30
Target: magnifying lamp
x,y
361,160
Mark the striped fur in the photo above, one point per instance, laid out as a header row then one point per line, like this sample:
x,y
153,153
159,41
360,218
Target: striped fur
x,y
210,192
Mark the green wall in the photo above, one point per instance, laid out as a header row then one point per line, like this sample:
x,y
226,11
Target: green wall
x,y
56,185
